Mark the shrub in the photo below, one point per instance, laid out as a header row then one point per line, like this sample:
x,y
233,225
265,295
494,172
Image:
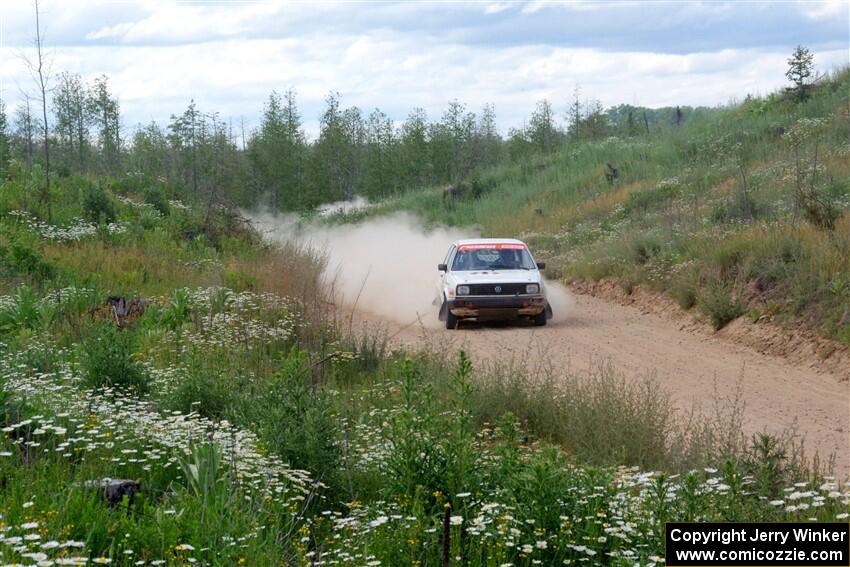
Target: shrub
x,y
773,462
641,247
203,389
239,279
729,259
461,469
97,206
107,360
740,208
539,482
776,258
297,420
720,304
177,313
371,349
684,293
25,311
149,219
645,199
154,197
22,259
416,463
818,210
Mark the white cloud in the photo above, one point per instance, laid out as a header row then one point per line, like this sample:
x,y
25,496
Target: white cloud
x,y
534,6
827,10
235,76
173,22
497,7
159,55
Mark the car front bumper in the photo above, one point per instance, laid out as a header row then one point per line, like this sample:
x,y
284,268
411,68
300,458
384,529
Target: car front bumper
x,y
496,307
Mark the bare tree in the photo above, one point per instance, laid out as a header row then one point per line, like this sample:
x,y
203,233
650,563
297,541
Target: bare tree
x,y
193,115
41,76
242,129
214,179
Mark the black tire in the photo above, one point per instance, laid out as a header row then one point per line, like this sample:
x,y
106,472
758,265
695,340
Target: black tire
x,y
451,320
540,320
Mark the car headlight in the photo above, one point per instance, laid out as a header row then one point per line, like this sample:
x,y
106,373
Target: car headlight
x,y
532,288
463,290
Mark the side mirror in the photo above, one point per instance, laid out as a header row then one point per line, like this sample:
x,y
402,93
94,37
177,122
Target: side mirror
x,y
442,267
541,265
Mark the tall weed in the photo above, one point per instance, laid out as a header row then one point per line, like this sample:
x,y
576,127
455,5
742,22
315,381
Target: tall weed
x,y
297,419
107,361
601,417
721,304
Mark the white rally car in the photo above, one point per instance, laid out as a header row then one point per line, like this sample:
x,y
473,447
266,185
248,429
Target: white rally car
x,y
486,279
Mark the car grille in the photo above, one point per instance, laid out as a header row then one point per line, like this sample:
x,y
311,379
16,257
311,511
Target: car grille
x,y
497,289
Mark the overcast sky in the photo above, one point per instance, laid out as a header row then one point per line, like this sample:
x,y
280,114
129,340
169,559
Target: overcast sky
x,y
229,55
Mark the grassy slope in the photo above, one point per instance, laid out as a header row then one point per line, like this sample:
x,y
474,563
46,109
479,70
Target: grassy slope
x,y
235,380
675,220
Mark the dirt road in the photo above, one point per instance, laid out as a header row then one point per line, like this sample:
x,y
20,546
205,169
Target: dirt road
x,y
692,366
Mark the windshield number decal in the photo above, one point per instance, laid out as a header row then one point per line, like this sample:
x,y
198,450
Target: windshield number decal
x,y
498,246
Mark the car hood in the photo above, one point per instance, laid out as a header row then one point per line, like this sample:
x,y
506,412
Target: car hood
x,y
497,276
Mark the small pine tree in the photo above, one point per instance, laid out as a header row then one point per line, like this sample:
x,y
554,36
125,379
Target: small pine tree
x,y
800,68
541,129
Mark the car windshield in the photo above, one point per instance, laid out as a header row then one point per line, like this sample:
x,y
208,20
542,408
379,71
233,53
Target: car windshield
x,y
497,257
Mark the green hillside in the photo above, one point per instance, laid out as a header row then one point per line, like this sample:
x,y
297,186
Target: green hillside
x,y
254,431
738,210
174,390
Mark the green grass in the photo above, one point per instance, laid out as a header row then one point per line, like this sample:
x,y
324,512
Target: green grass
x,y
262,434
707,206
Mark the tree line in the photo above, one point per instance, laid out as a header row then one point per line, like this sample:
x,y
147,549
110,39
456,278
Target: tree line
x,y
72,127
206,158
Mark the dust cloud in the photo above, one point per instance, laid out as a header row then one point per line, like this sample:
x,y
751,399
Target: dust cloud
x,y
343,207
560,300
386,266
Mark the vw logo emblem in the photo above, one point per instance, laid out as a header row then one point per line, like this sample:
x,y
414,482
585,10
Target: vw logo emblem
x,y
498,289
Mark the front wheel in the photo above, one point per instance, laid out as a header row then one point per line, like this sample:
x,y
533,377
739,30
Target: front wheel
x,y
540,320
451,320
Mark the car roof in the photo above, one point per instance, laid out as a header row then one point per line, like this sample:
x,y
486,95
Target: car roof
x,y
467,241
